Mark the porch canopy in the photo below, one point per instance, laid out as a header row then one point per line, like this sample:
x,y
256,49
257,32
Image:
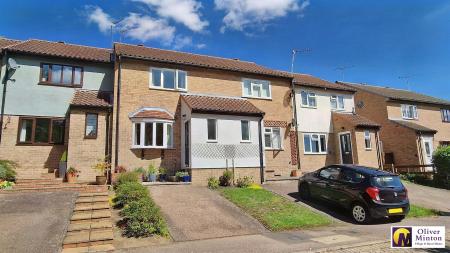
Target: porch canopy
x,y
221,105
414,126
356,120
91,99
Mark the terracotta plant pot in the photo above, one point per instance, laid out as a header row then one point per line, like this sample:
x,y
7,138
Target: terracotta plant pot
x,y
294,173
71,178
100,180
172,178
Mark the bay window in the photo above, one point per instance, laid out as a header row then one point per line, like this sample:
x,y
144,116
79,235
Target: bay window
x,y
38,131
62,75
409,111
337,102
272,138
308,99
170,79
256,88
152,134
314,143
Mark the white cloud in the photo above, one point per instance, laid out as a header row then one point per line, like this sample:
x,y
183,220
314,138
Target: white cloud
x,y
145,28
200,46
186,12
96,15
182,41
242,14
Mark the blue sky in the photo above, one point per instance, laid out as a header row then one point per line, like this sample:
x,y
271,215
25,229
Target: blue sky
x,y
379,41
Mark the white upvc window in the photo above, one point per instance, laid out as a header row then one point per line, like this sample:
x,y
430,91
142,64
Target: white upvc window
x,y
245,131
152,134
445,115
308,99
409,112
211,130
367,140
170,79
337,102
256,88
314,143
272,138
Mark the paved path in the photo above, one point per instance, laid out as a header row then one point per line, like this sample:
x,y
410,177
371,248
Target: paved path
x,y
34,222
430,197
195,213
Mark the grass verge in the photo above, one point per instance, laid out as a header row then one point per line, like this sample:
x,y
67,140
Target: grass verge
x,y
418,211
274,211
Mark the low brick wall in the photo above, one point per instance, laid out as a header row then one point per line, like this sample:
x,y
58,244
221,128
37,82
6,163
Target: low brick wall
x,y
200,176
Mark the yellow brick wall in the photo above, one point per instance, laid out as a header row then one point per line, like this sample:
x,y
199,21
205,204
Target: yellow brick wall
x,y
313,162
135,93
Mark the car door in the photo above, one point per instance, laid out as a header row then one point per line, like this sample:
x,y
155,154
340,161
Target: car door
x,y
349,186
328,183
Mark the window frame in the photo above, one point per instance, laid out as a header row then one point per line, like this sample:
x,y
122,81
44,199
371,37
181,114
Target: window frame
x,y
85,126
407,106
176,88
49,81
369,137
336,98
142,125
33,131
309,96
260,83
319,135
249,131
445,113
271,147
207,130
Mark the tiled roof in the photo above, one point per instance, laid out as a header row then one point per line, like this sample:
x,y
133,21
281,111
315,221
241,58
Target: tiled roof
x,y
154,114
60,49
168,56
220,105
414,126
91,98
311,81
397,94
6,43
356,120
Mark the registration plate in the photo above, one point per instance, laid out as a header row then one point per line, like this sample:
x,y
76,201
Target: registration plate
x,y
395,210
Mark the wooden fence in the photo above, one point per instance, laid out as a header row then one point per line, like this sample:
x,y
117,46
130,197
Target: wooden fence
x,y
402,169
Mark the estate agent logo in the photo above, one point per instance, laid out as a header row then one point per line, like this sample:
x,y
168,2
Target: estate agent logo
x,y
418,237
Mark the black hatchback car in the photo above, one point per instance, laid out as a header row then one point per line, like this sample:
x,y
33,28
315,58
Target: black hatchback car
x,y
366,192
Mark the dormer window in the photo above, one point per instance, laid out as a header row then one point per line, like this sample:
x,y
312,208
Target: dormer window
x,y
409,112
170,79
61,75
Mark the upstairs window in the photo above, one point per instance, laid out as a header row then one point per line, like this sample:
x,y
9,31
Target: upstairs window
x,y
62,75
308,99
170,79
272,138
245,130
367,140
409,112
337,102
256,88
445,115
38,131
152,134
314,143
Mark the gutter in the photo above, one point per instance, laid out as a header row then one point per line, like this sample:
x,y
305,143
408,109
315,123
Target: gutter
x,y
261,151
4,81
116,151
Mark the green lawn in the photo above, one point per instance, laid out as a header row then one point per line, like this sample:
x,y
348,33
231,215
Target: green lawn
x,y
418,211
274,211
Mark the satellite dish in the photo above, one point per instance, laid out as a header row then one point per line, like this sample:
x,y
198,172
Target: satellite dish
x,y
12,64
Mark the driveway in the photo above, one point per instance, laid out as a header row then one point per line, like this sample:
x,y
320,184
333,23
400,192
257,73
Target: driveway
x,y
194,213
34,222
429,197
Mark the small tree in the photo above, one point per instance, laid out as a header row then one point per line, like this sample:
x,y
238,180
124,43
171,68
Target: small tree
x,y
441,159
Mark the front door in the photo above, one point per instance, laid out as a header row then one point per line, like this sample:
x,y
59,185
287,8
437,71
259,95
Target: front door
x,y
346,148
427,149
187,143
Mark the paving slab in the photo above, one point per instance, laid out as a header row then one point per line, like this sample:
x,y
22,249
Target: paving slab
x,y
34,222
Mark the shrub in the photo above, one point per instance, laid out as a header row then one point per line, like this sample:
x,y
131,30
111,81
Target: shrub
x,y
226,178
213,183
441,159
152,170
181,174
255,186
143,218
244,182
6,185
127,177
120,169
7,170
102,166
128,192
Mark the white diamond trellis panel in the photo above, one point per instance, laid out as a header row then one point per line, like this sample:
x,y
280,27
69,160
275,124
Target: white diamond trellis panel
x,y
222,151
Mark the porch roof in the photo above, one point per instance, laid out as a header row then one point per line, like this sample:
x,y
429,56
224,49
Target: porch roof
x,y
356,120
91,98
152,113
414,126
221,105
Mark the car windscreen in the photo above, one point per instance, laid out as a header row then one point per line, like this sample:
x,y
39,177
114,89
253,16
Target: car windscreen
x,y
386,181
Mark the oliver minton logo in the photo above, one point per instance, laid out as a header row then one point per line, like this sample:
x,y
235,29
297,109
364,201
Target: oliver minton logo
x,y
418,237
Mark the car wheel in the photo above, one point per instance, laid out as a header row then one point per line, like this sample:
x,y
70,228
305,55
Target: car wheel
x,y
304,191
360,214
397,218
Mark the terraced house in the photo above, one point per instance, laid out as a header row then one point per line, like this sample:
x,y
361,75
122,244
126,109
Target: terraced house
x,y
202,114
330,132
413,124
55,98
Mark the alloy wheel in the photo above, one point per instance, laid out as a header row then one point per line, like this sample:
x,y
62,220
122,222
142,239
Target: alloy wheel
x,y
359,213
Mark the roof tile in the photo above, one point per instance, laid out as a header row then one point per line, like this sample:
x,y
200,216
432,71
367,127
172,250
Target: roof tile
x,y
91,98
311,81
414,126
225,105
356,120
154,114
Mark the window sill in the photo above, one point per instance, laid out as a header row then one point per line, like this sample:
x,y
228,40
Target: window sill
x,y
211,141
323,153
274,149
410,118
261,98
246,141
368,149
39,144
309,107
90,137
61,85
141,147
167,89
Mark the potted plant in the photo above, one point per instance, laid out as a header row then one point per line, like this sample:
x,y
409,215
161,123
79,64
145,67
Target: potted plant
x,y
183,176
172,178
72,175
62,168
141,171
162,174
102,166
294,173
152,173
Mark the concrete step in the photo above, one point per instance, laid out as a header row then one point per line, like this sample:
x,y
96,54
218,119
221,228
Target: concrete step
x,y
37,180
88,238
93,214
100,193
88,249
91,206
48,175
90,224
92,199
106,219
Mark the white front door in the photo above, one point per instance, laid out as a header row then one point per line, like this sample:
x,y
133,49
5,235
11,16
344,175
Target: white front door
x,y
427,148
